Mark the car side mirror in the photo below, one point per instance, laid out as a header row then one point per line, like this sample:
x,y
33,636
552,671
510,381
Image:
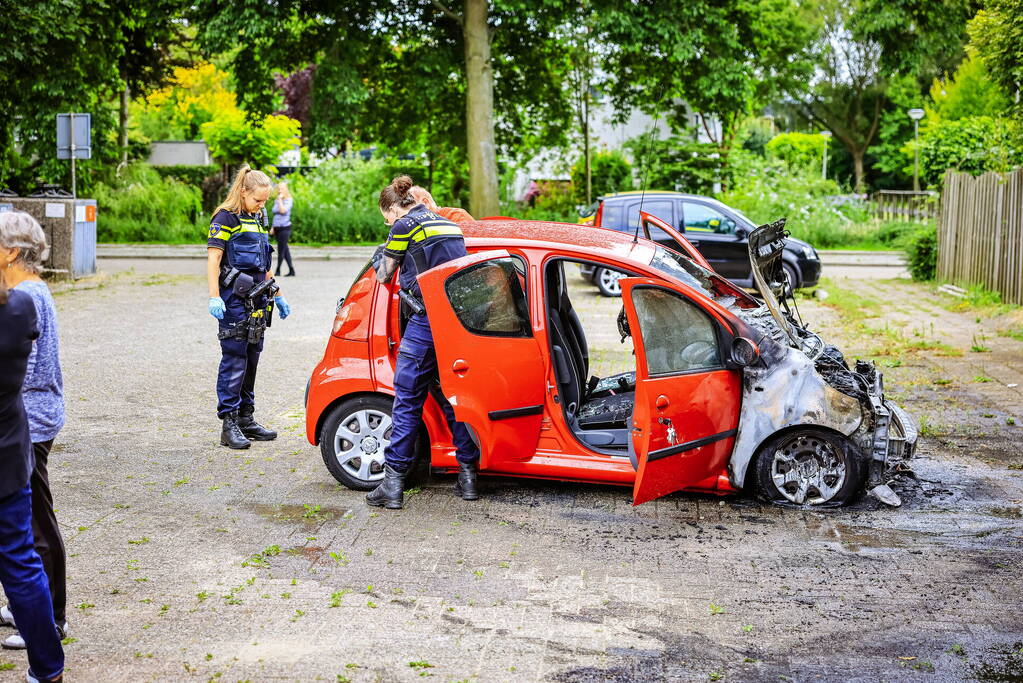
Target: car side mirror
x,y
744,352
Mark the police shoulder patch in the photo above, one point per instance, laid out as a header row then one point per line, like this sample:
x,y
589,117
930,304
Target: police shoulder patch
x,y
214,229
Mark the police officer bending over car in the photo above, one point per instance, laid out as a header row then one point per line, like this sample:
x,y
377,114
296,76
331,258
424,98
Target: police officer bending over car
x,y
418,241
242,298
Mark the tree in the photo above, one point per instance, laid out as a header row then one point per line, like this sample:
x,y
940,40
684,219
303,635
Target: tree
x,y
705,62
848,93
193,96
447,92
233,139
970,91
154,40
862,46
58,56
997,34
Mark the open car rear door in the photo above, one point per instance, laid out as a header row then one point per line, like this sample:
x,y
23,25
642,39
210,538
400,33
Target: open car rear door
x,y
685,246
490,365
687,402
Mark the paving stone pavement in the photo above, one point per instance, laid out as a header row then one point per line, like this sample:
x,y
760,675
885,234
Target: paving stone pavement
x,y
193,562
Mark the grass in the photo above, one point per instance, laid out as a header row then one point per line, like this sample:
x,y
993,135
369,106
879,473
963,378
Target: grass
x,y
883,341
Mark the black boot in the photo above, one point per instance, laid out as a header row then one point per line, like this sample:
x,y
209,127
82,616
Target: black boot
x,y
231,435
390,492
253,429
465,487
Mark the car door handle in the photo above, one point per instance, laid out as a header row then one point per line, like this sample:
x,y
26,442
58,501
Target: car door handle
x,y
662,402
460,367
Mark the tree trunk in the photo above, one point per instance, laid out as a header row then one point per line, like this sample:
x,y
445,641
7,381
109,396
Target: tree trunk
x,y
479,110
857,155
123,138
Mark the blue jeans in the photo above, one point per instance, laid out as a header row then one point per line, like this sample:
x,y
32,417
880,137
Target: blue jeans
x,y
414,373
28,591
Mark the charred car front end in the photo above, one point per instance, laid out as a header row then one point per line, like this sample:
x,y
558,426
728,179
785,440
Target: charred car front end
x,y
811,425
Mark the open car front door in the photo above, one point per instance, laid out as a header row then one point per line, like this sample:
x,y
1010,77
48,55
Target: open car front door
x,y
490,365
687,402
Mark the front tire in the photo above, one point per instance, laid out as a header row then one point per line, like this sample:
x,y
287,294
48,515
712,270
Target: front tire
x,y
353,438
607,282
790,278
809,467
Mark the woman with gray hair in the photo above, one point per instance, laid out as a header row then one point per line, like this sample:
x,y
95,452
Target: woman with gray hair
x,y
22,252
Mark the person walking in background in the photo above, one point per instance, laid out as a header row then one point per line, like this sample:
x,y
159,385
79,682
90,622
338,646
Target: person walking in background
x,y
21,571
237,231
455,214
23,248
281,226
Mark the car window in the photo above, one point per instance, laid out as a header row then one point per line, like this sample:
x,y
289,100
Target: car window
x,y
612,216
490,298
662,208
677,335
703,218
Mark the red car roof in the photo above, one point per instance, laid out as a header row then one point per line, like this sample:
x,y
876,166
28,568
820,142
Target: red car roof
x,y
543,234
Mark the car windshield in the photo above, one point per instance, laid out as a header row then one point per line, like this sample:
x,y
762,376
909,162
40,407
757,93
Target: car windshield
x,y
713,286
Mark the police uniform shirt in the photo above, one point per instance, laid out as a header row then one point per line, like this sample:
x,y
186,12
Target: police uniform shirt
x,y
243,238
421,240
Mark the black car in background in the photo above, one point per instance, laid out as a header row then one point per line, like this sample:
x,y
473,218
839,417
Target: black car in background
x,y
719,232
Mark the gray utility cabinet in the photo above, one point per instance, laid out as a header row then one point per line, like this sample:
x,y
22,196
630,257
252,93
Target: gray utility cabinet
x,y
70,227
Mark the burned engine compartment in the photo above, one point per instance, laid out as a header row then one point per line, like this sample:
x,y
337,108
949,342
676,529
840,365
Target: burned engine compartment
x,y
801,379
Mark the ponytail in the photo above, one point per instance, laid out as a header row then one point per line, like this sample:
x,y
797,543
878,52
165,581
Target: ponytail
x,y
397,193
245,179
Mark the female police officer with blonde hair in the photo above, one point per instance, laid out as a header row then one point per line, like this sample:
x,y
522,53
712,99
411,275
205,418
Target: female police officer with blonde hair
x,y
240,302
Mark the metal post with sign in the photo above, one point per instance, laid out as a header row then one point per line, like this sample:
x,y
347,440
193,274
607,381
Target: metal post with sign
x,y
74,141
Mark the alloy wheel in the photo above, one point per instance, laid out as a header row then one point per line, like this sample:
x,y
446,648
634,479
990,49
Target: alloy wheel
x,y
359,444
808,470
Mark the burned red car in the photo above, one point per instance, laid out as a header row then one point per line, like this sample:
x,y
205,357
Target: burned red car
x,y
722,392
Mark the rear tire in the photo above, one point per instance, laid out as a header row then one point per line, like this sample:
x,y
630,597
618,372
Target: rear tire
x,y
353,438
607,282
809,467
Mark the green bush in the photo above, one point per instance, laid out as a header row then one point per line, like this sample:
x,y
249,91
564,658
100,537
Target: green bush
x,y
676,164
609,172
922,252
974,145
140,206
816,212
801,151
555,203
337,202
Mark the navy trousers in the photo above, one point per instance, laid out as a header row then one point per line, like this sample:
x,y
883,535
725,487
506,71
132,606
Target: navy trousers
x,y
414,373
236,380
28,591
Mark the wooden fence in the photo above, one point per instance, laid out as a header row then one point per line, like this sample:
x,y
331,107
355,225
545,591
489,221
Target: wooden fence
x,y
980,232
903,205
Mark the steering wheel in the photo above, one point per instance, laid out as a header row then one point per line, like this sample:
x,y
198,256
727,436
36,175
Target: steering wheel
x,y
696,355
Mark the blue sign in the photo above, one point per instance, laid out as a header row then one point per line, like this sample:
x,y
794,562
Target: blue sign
x,y
81,124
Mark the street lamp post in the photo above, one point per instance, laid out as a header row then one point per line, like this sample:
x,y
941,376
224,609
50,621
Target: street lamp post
x,y
916,115
826,134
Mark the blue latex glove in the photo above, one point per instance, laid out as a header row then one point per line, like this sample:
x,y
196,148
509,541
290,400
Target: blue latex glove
x,y
282,306
217,307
